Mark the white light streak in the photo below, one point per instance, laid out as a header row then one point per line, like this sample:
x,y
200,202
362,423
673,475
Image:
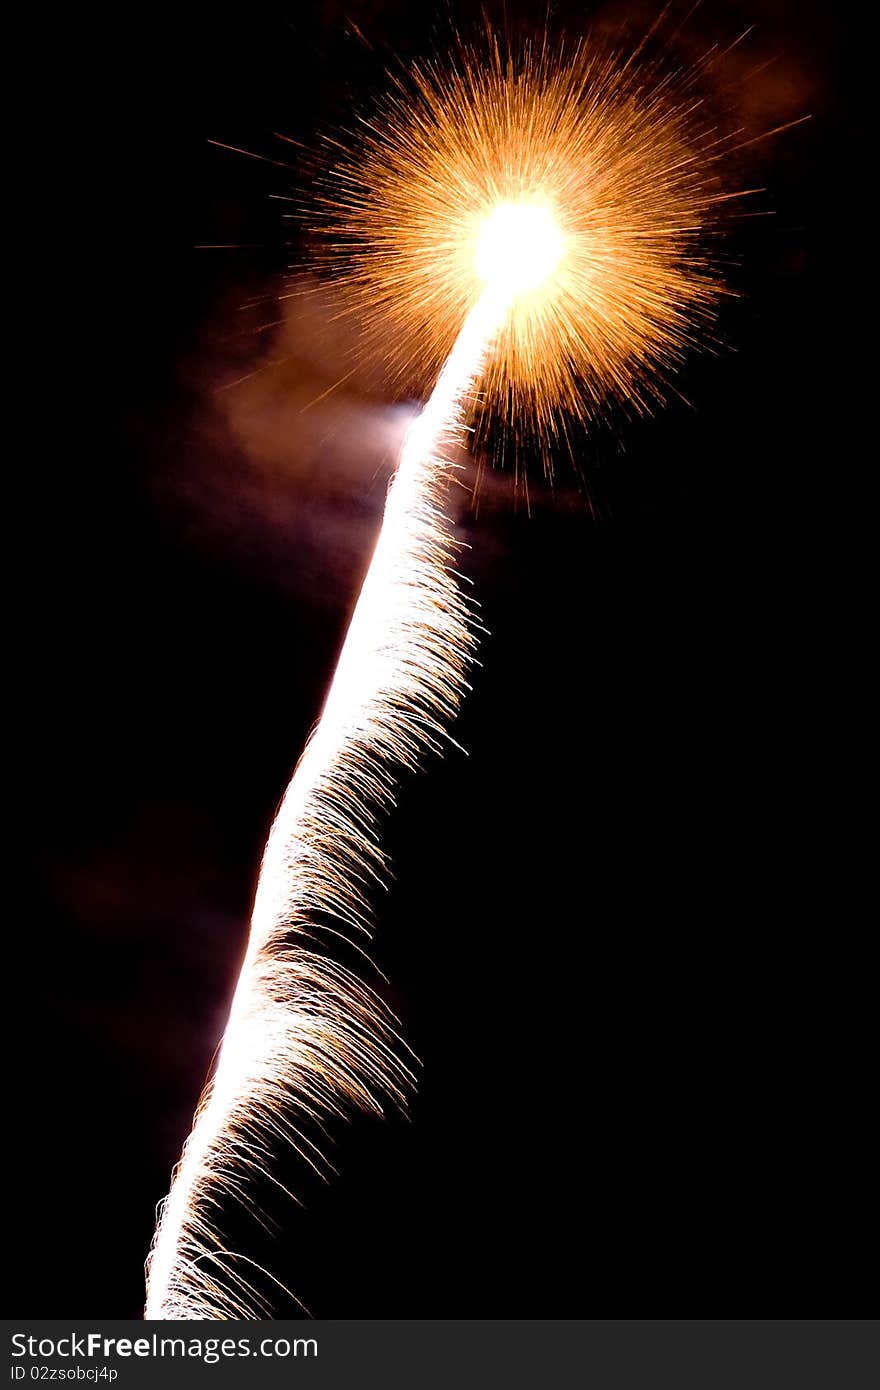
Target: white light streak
x,y
306,1039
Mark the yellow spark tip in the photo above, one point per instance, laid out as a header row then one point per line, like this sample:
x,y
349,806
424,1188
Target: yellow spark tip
x,y
520,248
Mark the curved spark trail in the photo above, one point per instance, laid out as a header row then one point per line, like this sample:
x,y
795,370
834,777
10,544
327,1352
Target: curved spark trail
x,y
306,1039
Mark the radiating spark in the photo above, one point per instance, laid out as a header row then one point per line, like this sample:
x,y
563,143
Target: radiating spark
x,y
623,156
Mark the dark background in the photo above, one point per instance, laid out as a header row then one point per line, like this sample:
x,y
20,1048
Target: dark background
x,y
622,937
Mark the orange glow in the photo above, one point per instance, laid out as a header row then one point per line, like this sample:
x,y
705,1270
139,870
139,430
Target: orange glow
x,y
604,171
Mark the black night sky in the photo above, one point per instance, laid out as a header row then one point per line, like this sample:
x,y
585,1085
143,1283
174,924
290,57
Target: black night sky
x,y
620,936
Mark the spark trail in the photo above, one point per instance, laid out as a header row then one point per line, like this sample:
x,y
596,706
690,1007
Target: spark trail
x,y
306,1039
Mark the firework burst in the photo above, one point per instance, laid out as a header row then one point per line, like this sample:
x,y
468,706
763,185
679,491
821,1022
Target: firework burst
x,y
623,159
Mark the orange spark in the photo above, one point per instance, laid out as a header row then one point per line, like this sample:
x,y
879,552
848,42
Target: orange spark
x,y
618,157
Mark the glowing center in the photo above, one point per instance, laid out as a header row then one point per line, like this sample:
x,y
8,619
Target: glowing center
x,y
520,247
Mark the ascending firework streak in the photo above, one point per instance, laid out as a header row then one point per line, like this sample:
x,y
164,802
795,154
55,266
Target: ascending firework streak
x,y
553,211
304,1035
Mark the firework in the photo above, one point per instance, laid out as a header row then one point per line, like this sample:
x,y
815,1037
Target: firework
x,y
535,226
